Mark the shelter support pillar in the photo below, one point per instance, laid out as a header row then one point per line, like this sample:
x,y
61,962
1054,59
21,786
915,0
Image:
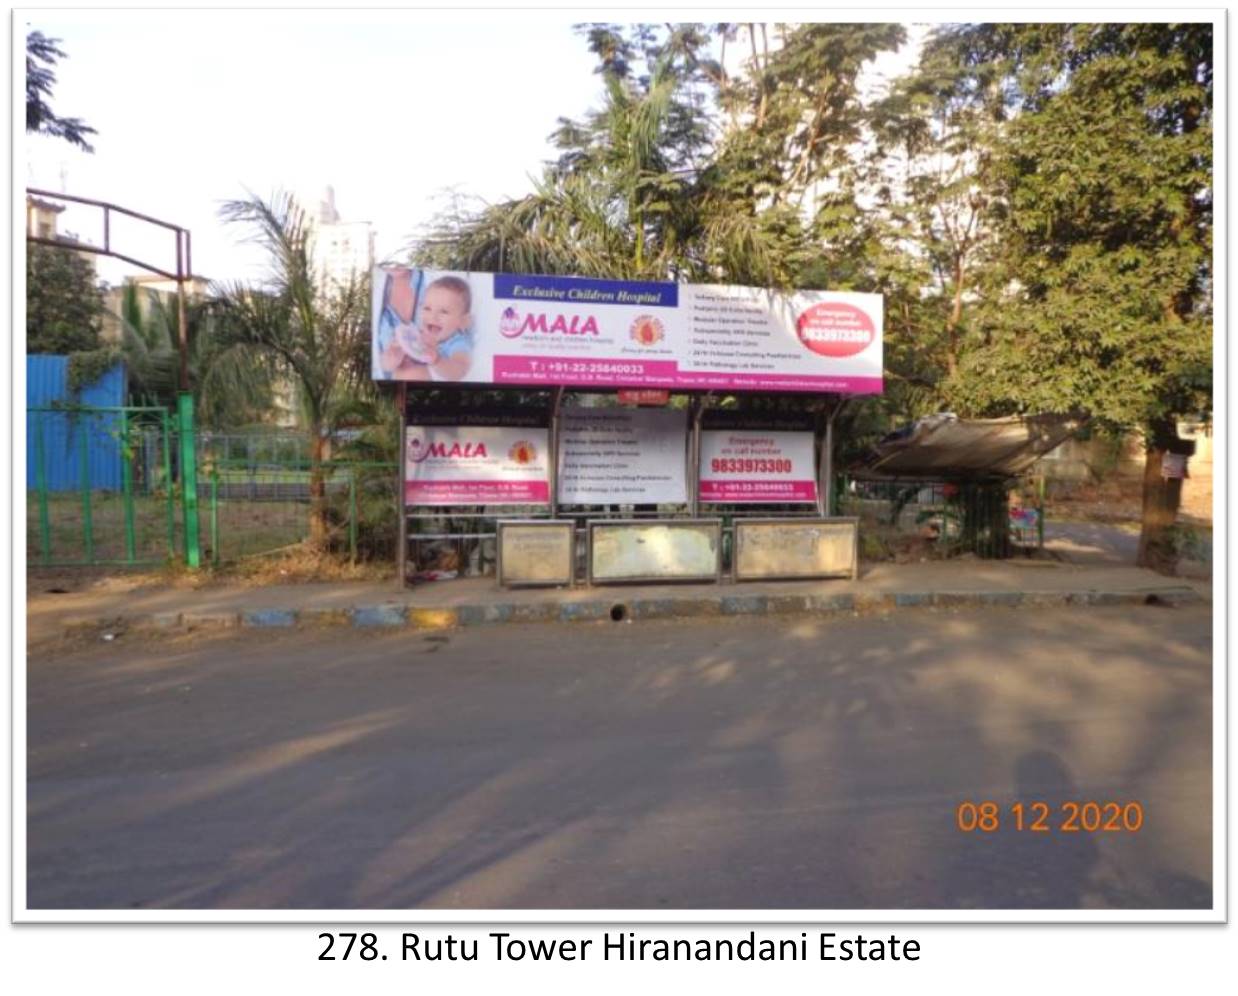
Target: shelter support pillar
x,y
556,403
695,412
400,511
825,480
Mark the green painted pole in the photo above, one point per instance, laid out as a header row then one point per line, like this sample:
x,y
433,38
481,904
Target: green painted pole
x,y
189,481
40,476
126,486
164,423
88,527
352,513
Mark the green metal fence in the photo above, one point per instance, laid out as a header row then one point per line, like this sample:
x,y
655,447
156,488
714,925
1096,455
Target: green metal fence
x,y
251,508
185,496
102,517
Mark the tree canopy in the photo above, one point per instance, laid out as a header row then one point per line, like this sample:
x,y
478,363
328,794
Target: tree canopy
x,y
1033,202
42,54
64,305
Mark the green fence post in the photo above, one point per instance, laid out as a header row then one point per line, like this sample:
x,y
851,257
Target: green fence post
x,y
88,530
126,486
189,481
165,427
40,476
215,515
352,512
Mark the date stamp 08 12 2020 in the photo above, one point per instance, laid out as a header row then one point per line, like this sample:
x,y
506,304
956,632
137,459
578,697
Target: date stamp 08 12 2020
x,y
1043,817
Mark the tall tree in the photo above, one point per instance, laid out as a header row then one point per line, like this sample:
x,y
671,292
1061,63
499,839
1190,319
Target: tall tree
x,y
317,337
653,184
932,164
232,383
1104,182
64,305
42,54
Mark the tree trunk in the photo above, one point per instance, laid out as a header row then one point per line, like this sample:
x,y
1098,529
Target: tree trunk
x,y
1161,499
317,489
956,315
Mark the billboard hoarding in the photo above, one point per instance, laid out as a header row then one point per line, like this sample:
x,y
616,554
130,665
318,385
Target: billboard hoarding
x,y
434,327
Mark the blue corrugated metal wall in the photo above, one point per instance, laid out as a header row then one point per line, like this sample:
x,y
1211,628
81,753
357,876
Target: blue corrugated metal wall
x,y
47,382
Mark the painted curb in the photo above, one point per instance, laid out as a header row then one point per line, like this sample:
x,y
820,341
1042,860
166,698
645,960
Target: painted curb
x,y
433,618
584,611
380,615
606,610
324,617
211,620
275,618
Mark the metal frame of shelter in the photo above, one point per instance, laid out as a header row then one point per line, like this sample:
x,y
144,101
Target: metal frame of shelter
x,y
550,416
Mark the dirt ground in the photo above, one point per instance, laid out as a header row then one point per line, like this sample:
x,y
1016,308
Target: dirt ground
x,y
296,565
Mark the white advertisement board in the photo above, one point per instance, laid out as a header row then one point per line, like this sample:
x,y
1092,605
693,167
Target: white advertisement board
x,y
476,465
755,466
432,326
676,550
615,456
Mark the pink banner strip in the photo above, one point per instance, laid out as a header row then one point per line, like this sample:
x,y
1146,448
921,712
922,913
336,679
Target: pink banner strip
x,y
758,491
532,370
476,493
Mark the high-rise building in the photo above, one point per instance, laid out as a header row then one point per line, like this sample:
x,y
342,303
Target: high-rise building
x,y
341,249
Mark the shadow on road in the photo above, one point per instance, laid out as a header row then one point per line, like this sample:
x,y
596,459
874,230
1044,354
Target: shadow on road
x,y
740,764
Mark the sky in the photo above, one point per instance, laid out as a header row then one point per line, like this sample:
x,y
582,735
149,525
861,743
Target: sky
x,y
392,109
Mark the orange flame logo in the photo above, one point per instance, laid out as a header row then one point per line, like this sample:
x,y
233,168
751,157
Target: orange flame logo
x,y
522,452
647,331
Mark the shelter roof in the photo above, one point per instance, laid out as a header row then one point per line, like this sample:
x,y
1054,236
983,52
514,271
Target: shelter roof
x,y
944,446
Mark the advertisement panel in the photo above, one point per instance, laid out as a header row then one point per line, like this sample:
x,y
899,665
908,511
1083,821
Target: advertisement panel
x,y
616,456
766,549
675,550
541,552
476,465
437,327
754,466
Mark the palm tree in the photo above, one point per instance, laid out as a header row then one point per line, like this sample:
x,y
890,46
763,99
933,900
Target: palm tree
x,y
231,382
316,336
639,190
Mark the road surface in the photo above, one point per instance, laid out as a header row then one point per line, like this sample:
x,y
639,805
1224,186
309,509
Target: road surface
x,y
740,763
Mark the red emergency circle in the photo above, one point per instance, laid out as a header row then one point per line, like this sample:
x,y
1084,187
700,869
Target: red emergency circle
x,y
833,328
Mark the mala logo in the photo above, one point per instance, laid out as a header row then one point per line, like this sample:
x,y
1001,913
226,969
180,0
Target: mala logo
x,y
647,331
523,453
509,323
419,450
512,325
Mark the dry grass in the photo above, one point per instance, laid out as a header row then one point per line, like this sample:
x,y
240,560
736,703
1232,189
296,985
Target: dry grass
x,y
296,565
299,565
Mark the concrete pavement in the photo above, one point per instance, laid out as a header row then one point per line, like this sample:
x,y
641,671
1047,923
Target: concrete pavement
x,y
474,601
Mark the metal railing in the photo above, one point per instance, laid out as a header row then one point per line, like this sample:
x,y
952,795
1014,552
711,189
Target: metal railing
x,y
252,509
103,487
951,517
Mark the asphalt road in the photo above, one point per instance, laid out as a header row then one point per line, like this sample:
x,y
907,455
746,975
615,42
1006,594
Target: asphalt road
x,y
772,763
